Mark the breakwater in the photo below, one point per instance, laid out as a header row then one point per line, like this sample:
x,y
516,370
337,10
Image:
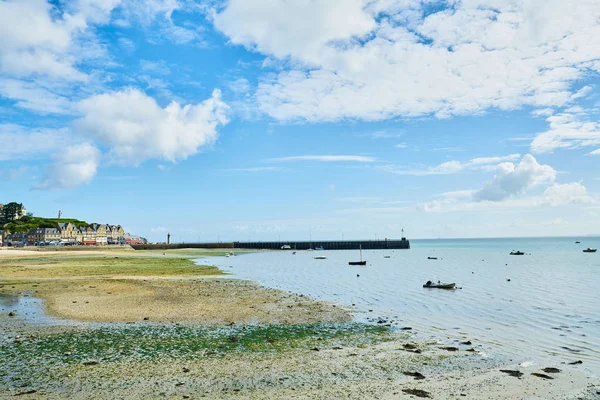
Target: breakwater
x,y
293,245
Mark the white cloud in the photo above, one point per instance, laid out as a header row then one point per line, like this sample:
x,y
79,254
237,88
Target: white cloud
x,y
240,85
401,145
511,179
567,130
157,67
38,38
451,167
74,166
553,196
136,128
32,96
458,194
375,60
254,169
327,158
22,143
290,28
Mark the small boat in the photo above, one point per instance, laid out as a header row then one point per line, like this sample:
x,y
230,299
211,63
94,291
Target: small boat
x,y
320,248
293,252
439,285
320,258
577,242
361,262
432,258
286,247
516,253
590,250
386,256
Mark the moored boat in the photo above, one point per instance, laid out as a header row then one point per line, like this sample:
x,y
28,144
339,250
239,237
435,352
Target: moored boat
x,y
432,258
439,285
361,262
516,253
589,250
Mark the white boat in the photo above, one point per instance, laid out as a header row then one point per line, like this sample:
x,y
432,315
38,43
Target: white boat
x,y
286,247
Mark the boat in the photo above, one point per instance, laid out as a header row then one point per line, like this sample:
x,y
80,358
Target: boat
x,y
577,242
432,258
286,247
386,256
320,248
439,285
320,258
590,250
361,262
293,252
516,253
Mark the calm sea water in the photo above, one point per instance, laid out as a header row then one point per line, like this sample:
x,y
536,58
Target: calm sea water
x,y
549,311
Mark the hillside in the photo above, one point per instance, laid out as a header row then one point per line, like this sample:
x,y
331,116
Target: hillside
x,y
27,222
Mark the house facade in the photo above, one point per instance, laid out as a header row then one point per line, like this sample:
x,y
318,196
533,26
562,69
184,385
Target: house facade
x,y
68,231
42,235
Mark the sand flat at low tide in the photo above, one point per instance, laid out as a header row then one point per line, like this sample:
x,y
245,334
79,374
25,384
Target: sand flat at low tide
x,y
172,329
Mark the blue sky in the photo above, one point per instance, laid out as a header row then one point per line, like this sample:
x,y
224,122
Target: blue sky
x,y
270,119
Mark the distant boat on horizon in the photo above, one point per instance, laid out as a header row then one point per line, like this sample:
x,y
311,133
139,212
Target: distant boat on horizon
x,y
516,253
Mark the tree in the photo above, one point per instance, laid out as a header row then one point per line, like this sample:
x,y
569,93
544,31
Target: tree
x,y
10,212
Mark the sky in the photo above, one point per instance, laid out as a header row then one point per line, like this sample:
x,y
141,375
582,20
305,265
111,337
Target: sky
x,y
307,119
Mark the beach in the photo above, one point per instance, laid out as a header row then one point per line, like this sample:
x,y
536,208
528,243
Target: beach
x,y
123,324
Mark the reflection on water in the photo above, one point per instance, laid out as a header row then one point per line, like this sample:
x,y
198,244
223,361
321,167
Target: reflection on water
x,y
542,306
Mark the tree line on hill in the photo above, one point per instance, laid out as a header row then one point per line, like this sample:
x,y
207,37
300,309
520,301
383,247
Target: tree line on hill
x,y
10,221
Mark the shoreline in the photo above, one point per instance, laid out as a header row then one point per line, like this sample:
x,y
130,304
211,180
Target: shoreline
x,y
239,315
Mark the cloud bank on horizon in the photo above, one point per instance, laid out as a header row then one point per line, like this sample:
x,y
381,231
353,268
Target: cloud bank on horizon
x,y
104,83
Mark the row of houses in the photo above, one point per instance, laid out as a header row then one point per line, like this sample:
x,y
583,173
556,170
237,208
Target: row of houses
x,y
68,233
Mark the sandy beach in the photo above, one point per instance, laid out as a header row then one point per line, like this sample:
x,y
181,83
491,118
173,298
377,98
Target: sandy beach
x,y
159,326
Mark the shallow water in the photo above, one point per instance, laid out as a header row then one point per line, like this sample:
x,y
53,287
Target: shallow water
x,y
549,311
28,309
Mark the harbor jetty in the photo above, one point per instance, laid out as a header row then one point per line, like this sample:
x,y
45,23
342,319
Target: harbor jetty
x,y
386,244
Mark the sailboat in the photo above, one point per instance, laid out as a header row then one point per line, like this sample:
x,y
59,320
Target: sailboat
x,y
361,262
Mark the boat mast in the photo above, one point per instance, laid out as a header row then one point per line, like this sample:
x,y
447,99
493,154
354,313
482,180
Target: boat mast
x,y
361,252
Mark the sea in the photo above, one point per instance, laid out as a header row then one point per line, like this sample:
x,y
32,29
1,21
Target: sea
x,y
542,307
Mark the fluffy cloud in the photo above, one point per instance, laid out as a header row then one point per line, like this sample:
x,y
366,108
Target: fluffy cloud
x,y
452,167
74,166
293,28
390,61
573,129
511,179
136,128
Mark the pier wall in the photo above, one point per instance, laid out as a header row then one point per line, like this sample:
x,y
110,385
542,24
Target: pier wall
x,y
295,245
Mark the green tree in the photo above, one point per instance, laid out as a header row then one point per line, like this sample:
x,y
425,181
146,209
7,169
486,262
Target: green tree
x,y
9,212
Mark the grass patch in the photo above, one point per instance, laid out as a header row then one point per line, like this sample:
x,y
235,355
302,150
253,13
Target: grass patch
x,y
72,267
